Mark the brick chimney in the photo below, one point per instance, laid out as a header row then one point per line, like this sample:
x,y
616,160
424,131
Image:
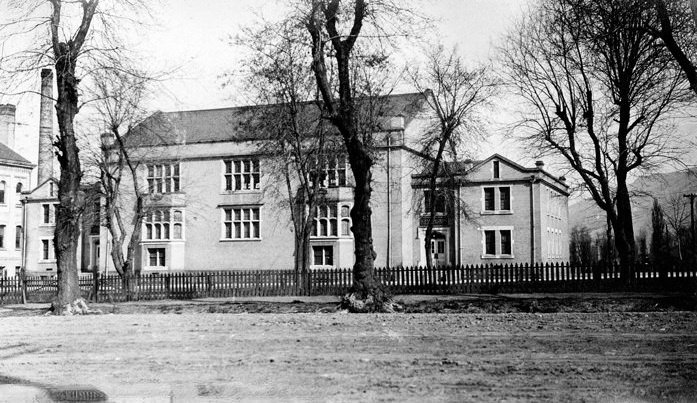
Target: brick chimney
x,y
7,125
46,127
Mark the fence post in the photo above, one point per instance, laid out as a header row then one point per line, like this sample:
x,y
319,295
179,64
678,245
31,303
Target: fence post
x,y
23,283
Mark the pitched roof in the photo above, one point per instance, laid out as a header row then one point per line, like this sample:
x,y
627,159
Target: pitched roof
x,y
10,157
242,123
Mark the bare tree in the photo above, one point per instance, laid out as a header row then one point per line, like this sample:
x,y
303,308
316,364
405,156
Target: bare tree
x,y
677,216
335,26
456,96
279,78
599,91
676,29
581,246
76,39
119,108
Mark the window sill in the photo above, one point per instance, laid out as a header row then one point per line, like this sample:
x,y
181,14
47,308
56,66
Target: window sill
x,y
330,238
47,261
160,241
498,256
240,191
496,212
241,240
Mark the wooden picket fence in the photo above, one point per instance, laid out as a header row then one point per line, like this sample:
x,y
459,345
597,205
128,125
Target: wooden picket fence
x,y
489,279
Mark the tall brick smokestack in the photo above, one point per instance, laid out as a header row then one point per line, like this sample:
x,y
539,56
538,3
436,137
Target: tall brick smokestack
x,y
7,125
46,127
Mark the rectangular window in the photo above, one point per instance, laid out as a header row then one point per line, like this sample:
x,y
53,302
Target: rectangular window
x,y
490,242
163,178
505,242
163,224
156,257
505,198
2,236
330,170
18,237
242,174
323,255
45,249
489,199
46,210
497,173
329,219
241,223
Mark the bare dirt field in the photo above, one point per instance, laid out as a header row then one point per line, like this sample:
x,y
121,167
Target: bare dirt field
x,y
187,356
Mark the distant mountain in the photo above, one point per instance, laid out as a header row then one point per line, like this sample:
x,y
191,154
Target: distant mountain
x,y
668,188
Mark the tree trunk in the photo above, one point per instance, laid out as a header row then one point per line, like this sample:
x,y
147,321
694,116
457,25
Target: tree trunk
x,y
67,232
624,231
364,283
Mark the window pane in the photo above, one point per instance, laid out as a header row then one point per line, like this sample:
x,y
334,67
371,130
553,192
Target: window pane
x,y
333,225
255,214
178,231
246,230
228,182
246,214
489,199
228,167
496,169
332,210
238,230
237,166
317,255
505,242
228,230
255,227
328,255
165,231
158,231
505,196
344,211
177,215
238,214
490,242
323,228
345,227
228,214
148,231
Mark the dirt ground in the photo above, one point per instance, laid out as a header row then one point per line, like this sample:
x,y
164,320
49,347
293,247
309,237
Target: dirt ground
x,y
187,354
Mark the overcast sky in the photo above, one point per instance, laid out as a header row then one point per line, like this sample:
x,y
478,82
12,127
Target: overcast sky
x,y
193,38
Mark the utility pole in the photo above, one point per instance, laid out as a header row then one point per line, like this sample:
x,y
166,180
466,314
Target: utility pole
x,y
692,197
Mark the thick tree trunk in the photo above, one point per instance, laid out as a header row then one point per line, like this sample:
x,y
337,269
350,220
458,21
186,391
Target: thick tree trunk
x,y
67,232
364,283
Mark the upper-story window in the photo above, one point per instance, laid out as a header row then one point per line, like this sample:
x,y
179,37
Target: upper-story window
x,y
241,223
2,192
330,170
18,188
163,178
497,199
332,220
439,202
163,224
242,174
497,171
48,213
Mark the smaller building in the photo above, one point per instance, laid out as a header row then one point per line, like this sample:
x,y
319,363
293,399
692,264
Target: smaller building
x,y
15,174
500,213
